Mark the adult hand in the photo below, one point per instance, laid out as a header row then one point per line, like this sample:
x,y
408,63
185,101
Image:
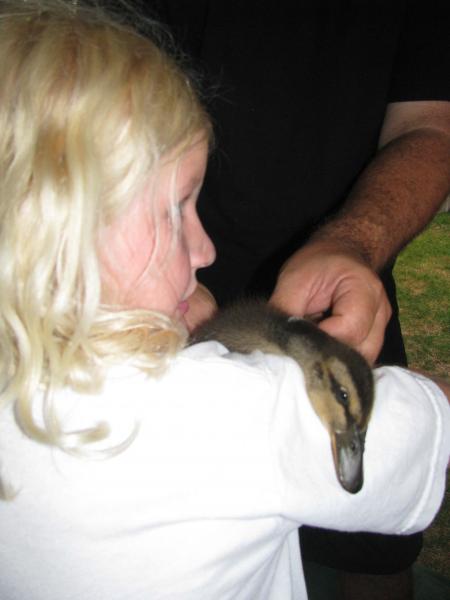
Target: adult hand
x,y
202,306
325,276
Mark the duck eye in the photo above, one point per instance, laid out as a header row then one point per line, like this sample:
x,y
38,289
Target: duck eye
x,y
343,395
340,392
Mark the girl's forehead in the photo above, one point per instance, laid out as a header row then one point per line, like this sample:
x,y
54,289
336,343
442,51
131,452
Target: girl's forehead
x,y
187,164
177,174
198,144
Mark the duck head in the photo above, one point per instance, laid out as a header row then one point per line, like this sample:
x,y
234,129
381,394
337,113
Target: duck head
x,y
339,383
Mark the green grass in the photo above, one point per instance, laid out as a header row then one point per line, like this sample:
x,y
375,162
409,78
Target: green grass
x,y
422,274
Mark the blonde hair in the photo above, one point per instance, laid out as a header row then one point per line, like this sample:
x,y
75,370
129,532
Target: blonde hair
x,y
87,109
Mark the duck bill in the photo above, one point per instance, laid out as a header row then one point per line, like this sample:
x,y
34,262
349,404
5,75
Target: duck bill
x,y
348,449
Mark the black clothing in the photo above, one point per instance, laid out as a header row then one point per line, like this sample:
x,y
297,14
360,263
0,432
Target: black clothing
x,y
302,92
302,89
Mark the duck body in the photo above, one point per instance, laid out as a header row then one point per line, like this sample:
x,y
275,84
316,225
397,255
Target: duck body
x,y
339,381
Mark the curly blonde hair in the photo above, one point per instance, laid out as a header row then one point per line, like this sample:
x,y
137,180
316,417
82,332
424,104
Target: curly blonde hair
x,y
87,109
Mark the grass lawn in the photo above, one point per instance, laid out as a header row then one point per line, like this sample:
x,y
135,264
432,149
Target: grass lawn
x,y
422,274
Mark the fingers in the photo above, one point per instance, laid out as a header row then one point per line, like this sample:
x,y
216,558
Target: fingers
x,y
317,280
371,346
359,318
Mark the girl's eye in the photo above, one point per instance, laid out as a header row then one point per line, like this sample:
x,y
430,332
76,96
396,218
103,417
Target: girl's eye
x,y
176,211
181,207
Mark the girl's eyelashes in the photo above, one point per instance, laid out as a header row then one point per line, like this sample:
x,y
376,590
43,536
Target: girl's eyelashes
x,y
177,210
182,205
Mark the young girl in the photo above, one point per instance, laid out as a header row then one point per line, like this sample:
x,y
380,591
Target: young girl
x,y
211,460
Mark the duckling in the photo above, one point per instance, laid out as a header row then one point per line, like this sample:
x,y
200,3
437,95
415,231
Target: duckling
x,y
338,380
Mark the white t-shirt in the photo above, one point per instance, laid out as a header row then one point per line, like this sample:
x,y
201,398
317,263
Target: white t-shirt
x,y
205,504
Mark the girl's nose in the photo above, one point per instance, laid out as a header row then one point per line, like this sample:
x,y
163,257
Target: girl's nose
x,y
203,252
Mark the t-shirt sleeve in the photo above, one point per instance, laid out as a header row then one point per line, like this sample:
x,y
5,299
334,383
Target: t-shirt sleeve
x,y
422,66
405,459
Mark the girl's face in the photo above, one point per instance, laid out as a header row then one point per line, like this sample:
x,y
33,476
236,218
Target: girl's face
x,y
149,267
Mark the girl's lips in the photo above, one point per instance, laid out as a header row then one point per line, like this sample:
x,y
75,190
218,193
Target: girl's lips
x,y
183,307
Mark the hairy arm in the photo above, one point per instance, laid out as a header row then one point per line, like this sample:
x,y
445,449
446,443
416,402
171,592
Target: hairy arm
x,y
392,201
401,189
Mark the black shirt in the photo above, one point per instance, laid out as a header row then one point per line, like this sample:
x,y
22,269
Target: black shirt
x,y
300,94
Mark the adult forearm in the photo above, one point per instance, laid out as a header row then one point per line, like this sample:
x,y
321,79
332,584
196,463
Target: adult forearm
x,y
394,198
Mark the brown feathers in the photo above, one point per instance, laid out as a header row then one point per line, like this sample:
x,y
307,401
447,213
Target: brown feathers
x,y
338,380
